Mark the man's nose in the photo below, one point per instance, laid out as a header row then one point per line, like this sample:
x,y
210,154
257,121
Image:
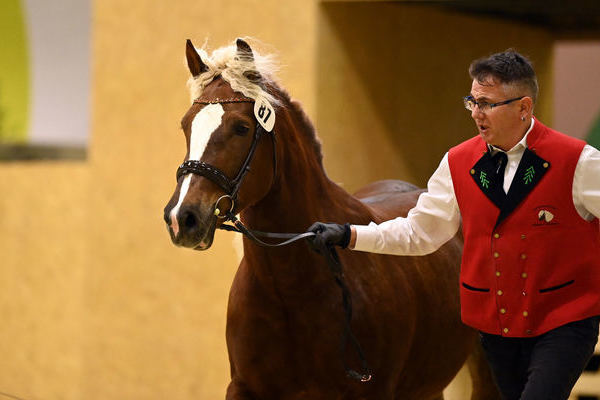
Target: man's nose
x,y
476,112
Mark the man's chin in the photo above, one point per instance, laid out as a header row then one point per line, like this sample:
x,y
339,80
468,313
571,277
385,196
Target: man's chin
x,y
487,136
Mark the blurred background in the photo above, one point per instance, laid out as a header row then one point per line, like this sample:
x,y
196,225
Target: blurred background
x,y
95,301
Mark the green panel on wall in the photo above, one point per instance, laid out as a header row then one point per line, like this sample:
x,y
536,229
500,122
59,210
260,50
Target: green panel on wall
x,y
593,137
14,73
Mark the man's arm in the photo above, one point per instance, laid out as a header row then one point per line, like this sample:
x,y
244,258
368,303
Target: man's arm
x,y
586,184
431,223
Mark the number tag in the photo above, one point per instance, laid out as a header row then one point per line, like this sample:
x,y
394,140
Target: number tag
x,y
264,113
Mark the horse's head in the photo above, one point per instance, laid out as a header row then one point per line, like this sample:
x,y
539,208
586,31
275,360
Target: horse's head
x,y
230,160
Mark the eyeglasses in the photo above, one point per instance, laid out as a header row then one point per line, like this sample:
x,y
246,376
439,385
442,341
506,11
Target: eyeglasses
x,y
483,106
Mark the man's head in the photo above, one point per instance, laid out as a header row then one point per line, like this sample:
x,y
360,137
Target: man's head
x,y
502,97
509,68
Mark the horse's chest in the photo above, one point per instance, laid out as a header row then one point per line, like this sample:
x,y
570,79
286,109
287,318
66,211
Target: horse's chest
x,y
274,332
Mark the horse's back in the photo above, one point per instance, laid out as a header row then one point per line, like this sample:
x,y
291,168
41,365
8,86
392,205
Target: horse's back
x,y
389,198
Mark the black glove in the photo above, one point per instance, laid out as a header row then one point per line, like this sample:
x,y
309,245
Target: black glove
x,y
329,235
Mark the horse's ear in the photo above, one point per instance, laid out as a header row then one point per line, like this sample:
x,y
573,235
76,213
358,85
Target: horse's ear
x,y
194,61
244,50
245,53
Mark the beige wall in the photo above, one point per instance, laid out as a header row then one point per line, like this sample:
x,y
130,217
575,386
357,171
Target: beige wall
x,y
397,106
577,87
95,301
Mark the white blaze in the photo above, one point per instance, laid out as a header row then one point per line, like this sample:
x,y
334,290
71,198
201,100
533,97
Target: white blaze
x,y
203,126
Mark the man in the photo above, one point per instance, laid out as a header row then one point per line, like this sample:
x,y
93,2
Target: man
x,y
528,198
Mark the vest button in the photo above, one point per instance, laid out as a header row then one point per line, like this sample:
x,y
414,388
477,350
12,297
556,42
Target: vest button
x,y
503,311
496,254
499,292
497,273
496,235
545,165
523,237
523,256
525,313
505,330
472,172
524,275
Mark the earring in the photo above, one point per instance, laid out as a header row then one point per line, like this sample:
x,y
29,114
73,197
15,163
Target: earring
x,y
522,118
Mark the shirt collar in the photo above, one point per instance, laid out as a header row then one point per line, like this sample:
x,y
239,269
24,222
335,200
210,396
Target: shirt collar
x,y
522,145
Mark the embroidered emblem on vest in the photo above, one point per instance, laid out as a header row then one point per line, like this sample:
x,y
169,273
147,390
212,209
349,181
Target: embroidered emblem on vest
x,y
529,173
483,179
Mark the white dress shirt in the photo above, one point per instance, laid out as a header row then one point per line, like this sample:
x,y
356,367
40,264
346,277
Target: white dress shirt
x,y
436,217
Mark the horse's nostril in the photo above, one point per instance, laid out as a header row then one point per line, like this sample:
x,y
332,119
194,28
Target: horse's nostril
x,y
190,221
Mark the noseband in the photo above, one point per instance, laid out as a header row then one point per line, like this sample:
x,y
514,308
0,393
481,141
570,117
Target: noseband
x,y
231,187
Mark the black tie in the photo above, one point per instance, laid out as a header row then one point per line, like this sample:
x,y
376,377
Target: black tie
x,y
500,159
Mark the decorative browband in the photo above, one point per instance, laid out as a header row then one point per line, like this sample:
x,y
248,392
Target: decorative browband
x,y
218,100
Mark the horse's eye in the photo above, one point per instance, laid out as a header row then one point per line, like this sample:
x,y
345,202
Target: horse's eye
x,y
240,129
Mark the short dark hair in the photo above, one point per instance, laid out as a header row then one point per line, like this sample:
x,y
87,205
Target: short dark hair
x,y
508,67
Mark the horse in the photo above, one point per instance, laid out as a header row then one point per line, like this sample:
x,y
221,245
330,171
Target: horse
x,y
253,152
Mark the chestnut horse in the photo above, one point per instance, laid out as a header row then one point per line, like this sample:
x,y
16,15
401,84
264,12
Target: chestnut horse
x,y
285,313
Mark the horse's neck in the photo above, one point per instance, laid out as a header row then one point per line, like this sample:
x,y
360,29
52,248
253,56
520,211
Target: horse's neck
x,y
296,202
302,193
293,272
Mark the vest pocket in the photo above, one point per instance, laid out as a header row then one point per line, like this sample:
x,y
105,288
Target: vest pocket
x,y
475,289
557,286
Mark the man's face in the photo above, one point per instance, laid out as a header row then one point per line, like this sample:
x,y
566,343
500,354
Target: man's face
x,y
500,126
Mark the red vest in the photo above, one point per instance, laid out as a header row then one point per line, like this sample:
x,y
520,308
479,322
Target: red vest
x,y
530,262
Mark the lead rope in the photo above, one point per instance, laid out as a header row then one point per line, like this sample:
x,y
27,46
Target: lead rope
x,y
336,268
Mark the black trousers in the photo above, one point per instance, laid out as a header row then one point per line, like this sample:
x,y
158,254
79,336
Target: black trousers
x,y
544,367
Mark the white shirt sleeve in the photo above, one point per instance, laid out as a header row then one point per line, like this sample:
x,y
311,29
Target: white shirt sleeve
x,y
431,223
586,184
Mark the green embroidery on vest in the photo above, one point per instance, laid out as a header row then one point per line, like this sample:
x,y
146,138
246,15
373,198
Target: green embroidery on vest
x,y
483,179
528,177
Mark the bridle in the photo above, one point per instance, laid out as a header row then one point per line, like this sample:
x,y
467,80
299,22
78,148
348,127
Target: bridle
x,y
231,187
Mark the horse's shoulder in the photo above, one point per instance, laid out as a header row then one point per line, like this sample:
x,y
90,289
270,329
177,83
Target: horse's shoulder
x,y
389,198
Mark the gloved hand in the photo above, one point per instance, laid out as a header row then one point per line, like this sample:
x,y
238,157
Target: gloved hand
x,y
329,235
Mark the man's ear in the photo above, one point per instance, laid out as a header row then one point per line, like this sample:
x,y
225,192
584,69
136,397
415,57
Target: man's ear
x,y
526,106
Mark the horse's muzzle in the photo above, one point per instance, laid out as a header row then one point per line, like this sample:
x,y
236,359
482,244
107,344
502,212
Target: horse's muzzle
x,y
190,227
